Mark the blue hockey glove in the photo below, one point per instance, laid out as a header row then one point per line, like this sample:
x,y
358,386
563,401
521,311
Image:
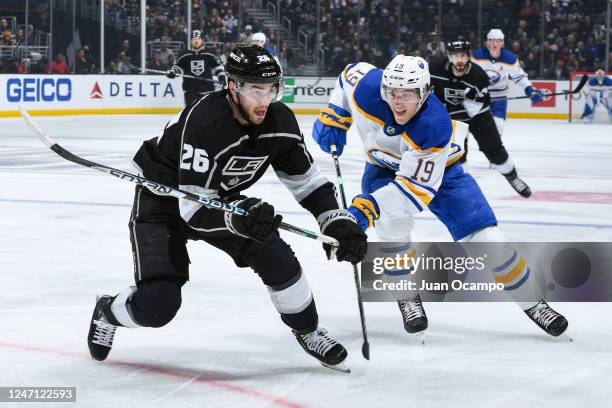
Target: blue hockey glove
x,y
331,127
365,210
536,95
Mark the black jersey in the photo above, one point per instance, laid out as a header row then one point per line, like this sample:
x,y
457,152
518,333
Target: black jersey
x,y
200,64
463,96
205,150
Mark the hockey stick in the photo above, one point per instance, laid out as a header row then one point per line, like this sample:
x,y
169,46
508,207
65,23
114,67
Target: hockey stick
x,y
156,71
161,188
579,87
365,349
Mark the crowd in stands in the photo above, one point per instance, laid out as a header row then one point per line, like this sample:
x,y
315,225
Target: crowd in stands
x,y
573,39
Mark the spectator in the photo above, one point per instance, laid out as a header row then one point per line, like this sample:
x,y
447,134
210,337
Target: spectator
x,y
124,64
245,37
8,39
58,66
560,71
166,55
82,64
156,63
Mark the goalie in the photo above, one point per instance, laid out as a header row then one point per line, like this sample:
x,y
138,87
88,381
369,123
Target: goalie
x,y
600,92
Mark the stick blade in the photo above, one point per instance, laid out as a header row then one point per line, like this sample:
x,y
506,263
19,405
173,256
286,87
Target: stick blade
x,y
365,350
34,127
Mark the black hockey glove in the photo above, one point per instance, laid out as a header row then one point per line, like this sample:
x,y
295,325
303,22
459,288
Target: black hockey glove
x,y
258,225
340,224
171,73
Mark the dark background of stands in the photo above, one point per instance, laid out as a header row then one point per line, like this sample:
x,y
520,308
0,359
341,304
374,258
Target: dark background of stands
x,y
551,38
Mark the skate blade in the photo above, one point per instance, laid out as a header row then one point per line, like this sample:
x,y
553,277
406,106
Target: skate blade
x,y
421,337
338,367
566,336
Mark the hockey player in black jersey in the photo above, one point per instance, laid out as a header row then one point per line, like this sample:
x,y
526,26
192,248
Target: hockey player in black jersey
x,y
462,87
198,63
219,146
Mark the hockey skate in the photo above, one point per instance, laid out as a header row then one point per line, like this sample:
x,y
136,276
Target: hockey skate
x,y
414,316
547,318
101,332
328,351
518,184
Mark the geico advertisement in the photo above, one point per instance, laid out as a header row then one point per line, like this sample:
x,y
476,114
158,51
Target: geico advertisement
x,y
88,91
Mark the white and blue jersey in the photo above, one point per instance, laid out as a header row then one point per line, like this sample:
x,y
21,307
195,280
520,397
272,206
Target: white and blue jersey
x,y
413,166
599,92
502,71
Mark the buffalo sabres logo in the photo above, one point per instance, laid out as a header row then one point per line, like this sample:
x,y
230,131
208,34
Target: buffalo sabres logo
x,y
390,130
197,67
384,158
454,96
494,77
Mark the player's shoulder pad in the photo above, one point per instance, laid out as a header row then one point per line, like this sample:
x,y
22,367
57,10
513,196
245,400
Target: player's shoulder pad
x,y
507,56
477,71
285,120
344,75
438,66
607,81
433,129
367,98
481,54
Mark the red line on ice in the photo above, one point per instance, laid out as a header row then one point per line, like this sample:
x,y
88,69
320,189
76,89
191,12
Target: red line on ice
x,y
566,197
224,385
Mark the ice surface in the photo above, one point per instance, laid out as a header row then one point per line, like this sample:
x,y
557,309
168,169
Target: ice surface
x,y
64,239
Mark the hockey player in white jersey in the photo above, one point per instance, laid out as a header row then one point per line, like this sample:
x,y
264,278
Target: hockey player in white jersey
x,y
600,92
504,70
412,148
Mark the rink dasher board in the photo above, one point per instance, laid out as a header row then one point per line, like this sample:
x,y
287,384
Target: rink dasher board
x,y
48,95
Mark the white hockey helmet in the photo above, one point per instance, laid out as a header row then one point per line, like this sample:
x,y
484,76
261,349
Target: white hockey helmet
x,y
258,39
406,72
495,34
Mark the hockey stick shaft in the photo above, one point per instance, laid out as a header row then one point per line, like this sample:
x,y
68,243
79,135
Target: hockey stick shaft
x,y
365,348
158,187
156,71
578,88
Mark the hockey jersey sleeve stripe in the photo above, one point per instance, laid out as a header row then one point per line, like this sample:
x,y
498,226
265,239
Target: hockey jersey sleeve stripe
x,y
188,208
409,196
417,147
302,185
280,134
347,69
424,197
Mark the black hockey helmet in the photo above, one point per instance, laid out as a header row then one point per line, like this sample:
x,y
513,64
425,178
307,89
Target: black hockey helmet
x,y
458,46
252,64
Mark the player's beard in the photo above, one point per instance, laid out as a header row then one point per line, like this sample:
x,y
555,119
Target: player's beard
x,y
459,69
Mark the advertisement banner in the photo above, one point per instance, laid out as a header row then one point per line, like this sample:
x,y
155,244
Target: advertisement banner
x,y
107,94
82,94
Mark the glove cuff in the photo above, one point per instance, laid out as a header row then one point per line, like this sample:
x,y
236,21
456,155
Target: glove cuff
x,y
368,206
330,216
227,217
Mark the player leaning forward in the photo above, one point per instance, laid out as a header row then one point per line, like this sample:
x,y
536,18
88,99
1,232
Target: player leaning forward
x,y
412,148
218,147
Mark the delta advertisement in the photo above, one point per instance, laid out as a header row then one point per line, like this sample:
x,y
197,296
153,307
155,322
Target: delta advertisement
x,y
110,94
